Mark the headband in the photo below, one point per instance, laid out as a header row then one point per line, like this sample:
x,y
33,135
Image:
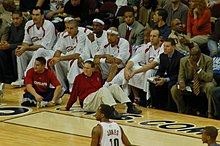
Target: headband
x,y
99,21
112,31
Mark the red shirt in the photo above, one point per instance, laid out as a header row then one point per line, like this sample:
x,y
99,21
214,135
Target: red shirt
x,y
200,26
41,82
83,86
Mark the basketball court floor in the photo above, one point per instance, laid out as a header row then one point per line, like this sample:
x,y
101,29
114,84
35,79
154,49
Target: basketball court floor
x,y
22,126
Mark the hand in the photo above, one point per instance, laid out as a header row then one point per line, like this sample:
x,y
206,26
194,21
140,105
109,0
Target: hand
x,y
182,86
91,36
49,15
20,50
54,60
96,60
184,41
195,13
110,59
63,109
4,45
80,62
39,98
127,74
160,81
193,64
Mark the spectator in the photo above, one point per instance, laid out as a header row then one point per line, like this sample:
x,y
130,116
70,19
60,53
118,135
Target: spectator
x,y
38,91
159,19
8,65
177,33
78,9
198,22
196,72
176,9
146,12
131,29
88,88
213,43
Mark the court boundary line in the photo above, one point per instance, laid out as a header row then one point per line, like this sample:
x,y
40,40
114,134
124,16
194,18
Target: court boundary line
x,y
157,130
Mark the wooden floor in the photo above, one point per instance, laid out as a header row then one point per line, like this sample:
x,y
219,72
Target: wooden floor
x,y
49,126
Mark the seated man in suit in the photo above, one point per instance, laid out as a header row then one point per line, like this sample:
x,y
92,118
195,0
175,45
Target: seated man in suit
x,y
195,71
131,30
166,76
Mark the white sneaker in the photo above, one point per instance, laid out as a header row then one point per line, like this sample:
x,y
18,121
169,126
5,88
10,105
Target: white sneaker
x,y
2,86
18,83
41,104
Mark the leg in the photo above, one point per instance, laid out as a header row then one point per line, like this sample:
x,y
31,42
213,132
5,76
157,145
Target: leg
x,y
207,87
212,46
74,70
112,72
200,39
61,73
94,100
215,92
28,100
178,99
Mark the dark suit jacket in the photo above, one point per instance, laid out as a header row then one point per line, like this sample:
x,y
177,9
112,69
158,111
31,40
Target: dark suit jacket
x,y
170,67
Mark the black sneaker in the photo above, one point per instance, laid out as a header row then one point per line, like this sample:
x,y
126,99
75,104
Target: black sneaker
x,y
115,115
133,110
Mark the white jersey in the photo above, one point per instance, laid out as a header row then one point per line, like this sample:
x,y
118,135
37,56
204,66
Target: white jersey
x,y
68,45
120,51
111,134
146,54
91,48
45,35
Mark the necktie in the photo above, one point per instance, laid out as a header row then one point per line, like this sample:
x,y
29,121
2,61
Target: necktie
x,y
127,34
196,89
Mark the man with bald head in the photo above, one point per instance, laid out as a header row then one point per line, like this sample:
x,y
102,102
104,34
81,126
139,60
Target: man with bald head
x,y
113,55
93,42
195,71
177,33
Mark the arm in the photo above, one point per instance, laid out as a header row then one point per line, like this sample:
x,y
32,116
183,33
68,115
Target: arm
x,y
128,66
40,3
204,19
52,13
125,140
96,132
31,90
206,74
146,67
57,93
189,27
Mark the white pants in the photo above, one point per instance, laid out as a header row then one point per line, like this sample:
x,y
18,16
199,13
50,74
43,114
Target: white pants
x,y
105,96
138,80
27,59
73,72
